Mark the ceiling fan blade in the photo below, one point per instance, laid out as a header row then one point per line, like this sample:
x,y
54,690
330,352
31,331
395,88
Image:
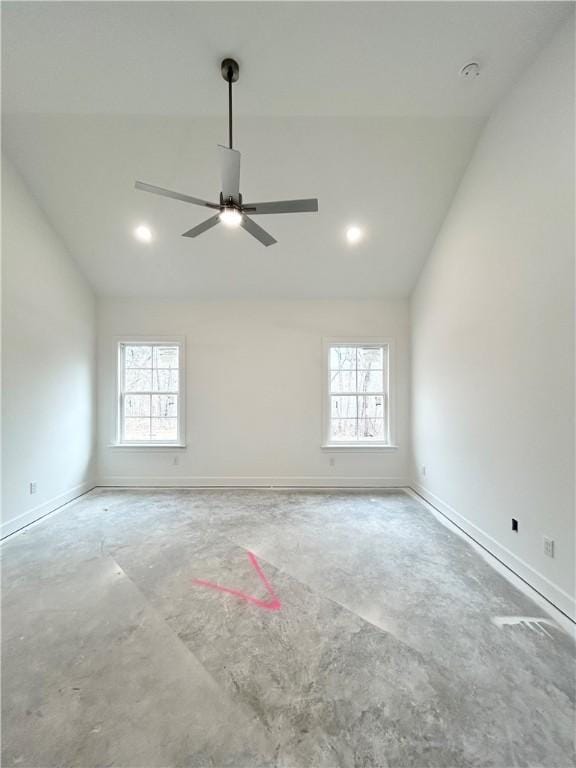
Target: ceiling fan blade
x,y
176,195
205,225
284,206
230,172
257,231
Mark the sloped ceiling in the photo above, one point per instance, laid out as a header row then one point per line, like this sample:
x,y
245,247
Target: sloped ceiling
x,y
360,104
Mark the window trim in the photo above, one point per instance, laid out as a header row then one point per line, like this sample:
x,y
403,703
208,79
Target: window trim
x,y
176,341
358,445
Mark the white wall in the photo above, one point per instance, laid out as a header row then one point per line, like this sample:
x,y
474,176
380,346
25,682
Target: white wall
x,y
48,362
267,356
493,335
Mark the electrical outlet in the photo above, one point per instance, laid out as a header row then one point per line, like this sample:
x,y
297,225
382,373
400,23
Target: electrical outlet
x,y
33,487
332,461
176,461
423,470
548,547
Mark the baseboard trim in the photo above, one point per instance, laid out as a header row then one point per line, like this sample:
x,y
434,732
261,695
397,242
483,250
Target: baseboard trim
x,y
16,524
550,592
253,482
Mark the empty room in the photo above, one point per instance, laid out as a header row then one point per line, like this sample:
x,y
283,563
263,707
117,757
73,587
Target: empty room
x,y
288,466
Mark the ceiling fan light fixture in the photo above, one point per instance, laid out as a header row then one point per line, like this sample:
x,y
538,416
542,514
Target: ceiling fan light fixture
x,y
231,217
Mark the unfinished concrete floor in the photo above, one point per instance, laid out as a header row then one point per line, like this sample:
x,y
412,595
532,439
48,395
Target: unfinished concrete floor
x,y
389,648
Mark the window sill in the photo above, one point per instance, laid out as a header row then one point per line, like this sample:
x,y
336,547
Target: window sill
x,y
149,446
359,447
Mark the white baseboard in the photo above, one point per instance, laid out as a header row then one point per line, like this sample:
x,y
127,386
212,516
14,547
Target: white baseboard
x,y
551,592
32,515
254,482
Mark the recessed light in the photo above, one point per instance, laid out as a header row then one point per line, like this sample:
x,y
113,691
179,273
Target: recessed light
x,y
354,235
230,217
143,233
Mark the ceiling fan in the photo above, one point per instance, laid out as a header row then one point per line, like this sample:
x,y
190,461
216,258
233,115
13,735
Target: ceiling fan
x,y
232,211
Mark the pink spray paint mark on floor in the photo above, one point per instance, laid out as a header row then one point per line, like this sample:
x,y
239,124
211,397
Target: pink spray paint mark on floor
x,y
273,604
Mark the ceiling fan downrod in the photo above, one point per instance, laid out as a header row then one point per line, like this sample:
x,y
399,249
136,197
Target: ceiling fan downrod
x,y
230,72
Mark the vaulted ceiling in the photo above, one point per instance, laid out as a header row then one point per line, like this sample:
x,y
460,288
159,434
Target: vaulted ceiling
x,y
359,104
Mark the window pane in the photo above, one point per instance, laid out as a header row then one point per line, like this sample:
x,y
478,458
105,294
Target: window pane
x,y
165,380
137,405
371,406
343,429
150,382
165,406
343,407
370,357
371,381
342,358
138,380
371,429
164,429
342,381
165,357
138,356
136,429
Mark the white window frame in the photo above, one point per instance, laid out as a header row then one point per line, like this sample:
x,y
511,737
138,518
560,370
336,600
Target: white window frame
x,y
389,394
165,341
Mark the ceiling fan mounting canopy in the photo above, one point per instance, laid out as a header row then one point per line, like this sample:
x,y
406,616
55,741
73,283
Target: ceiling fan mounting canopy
x,y
230,206
230,70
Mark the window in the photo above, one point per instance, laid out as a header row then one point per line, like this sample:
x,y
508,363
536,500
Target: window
x,y
150,408
358,393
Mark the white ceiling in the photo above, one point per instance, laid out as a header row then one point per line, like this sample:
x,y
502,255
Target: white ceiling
x,y
322,58
359,104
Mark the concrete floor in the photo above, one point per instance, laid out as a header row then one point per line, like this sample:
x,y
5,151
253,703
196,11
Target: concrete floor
x,y
389,648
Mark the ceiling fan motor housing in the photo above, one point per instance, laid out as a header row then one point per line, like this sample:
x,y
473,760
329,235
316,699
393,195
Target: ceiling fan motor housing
x,y
229,202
